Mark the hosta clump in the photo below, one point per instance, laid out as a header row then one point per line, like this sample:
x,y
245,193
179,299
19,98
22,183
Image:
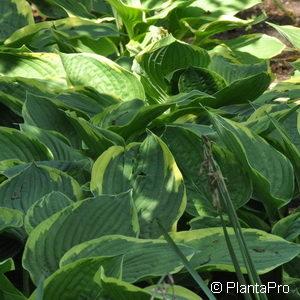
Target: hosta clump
x,y
107,112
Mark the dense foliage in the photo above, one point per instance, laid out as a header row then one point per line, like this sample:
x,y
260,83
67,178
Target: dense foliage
x,y
107,108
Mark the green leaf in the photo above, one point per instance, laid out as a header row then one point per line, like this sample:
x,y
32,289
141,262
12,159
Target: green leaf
x,y
129,118
209,221
44,208
291,33
79,8
95,138
265,165
22,146
79,222
57,143
241,91
8,290
157,183
40,35
112,171
77,279
43,113
130,15
288,227
103,75
70,167
121,290
224,23
86,100
187,149
200,79
18,192
153,257
168,291
14,15
267,251
289,148
164,57
10,218
44,67
233,66
260,121
260,45
228,7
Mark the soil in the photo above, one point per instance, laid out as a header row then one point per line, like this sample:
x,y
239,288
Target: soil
x,y
289,15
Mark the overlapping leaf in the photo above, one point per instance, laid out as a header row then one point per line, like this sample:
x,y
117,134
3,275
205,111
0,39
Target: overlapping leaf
x,y
151,171
18,192
79,222
266,169
102,74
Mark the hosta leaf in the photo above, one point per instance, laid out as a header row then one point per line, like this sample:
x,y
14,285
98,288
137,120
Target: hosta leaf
x,y
43,113
164,57
158,188
267,251
102,74
48,9
118,114
130,14
14,91
18,145
69,167
224,23
96,139
200,79
260,45
44,67
289,148
153,257
265,165
40,35
77,279
10,218
8,290
228,7
288,227
209,221
130,117
79,8
233,66
113,169
44,208
118,289
291,33
260,121
157,183
168,291
187,149
253,220
57,143
241,91
18,192
79,222
86,99
14,15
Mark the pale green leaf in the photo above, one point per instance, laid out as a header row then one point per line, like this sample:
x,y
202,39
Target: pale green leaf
x,y
103,75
